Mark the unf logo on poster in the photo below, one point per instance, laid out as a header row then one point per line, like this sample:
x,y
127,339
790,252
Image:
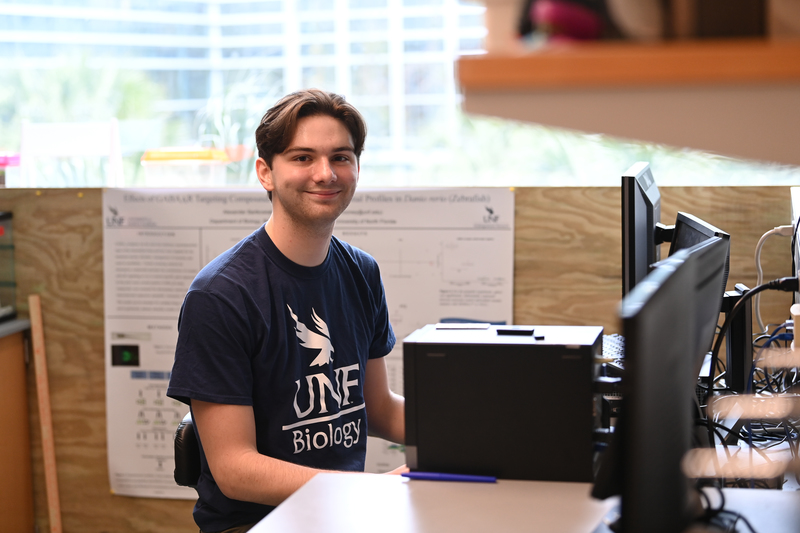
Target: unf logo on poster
x,y
114,219
490,217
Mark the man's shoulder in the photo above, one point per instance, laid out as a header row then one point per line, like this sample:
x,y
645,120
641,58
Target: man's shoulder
x,y
353,252
354,257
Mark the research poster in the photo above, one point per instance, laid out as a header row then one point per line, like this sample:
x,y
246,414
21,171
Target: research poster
x,y
445,255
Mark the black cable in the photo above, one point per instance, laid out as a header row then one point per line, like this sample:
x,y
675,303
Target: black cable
x,y
748,435
766,428
711,512
782,284
795,448
740,483
736,518
786,381
717,427
769,383
713,516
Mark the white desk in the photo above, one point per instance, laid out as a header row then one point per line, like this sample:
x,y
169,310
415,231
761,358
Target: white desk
x,y
369,503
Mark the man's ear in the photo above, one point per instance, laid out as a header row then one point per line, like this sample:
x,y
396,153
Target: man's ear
x,y
264,174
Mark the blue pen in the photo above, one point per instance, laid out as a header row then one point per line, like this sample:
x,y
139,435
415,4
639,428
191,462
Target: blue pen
x,y
438,476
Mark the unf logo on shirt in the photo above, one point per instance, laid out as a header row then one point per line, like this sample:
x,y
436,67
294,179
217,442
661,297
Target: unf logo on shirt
x,y
312,339
316,412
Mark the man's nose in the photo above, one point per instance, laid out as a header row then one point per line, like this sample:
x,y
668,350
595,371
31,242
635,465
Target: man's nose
x,y
323,171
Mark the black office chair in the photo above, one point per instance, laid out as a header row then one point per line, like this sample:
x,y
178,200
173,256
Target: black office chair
x,y
187,453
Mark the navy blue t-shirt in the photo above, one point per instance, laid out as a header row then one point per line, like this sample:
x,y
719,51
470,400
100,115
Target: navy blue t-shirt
x,y
292,341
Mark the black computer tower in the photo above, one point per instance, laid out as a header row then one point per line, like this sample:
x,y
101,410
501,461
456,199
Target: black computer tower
x,y
500,401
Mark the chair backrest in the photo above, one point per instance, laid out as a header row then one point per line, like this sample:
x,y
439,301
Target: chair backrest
x,y
187,453
67,139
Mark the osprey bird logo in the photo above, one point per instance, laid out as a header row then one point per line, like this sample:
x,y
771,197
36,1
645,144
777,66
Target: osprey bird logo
x,y
312,339
490,217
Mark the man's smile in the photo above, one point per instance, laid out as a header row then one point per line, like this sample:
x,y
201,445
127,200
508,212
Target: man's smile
x,y
325,193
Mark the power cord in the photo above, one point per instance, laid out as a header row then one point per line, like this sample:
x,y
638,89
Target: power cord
x,y
784,231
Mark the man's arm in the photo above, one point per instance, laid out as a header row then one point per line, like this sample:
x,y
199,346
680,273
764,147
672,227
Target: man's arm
x,y
385,409
228,434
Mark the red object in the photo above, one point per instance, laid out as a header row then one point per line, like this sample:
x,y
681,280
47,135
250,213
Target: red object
x,y
563,19
8,159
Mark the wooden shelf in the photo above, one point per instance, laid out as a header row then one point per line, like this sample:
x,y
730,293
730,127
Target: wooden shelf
x,y
735,97
620,64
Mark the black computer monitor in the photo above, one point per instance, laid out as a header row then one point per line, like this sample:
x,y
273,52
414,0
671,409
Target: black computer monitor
x,y
660,317
690,230
641,233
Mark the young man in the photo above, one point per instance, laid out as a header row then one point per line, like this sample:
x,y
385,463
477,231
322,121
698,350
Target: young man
x,y
282,338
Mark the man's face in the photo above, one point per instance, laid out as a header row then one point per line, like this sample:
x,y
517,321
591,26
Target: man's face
x,y
314,179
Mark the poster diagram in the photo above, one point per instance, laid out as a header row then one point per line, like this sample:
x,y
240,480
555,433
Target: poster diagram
x,y
445,255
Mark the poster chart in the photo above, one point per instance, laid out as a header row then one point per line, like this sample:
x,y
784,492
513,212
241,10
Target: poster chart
x,y
444,254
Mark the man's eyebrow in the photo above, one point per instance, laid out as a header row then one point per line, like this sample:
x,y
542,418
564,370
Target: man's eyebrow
x,y
304,149
298,149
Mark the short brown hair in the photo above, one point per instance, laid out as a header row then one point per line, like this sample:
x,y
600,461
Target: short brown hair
x,y
279,124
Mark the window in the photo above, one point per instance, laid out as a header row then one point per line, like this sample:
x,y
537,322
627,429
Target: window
x,y
367,4
174,72
471,21
252,29
315,5
317,49
378,119
370,80
423,23
419,120
316,26
250,7
320,78
371,47
255,51
428,78
182,84
428,45
358,25
77,25
473,45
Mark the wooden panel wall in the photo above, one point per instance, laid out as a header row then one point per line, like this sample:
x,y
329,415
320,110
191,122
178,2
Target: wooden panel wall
x,y
567,271
58,239
568,251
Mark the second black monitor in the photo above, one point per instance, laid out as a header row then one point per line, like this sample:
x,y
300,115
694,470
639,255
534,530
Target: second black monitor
x,y
641,213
